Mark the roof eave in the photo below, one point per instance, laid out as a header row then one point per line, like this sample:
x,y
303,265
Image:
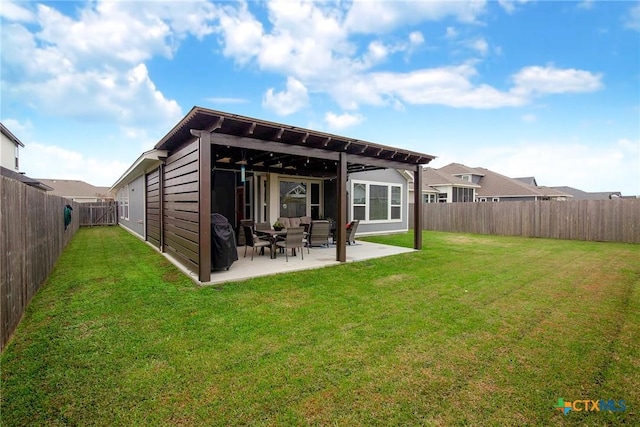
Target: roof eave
x,y
146,161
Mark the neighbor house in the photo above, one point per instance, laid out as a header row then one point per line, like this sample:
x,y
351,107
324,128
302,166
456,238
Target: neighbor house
x,y
24,179
78,191
246,168
494,187
9,149
584,195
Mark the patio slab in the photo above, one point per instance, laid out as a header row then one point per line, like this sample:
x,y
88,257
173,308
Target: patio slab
x,y
316,257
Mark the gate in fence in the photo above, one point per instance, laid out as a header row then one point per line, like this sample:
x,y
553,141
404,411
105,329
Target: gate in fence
x,y
102,213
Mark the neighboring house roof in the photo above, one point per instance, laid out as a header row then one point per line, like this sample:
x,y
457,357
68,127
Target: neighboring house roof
x,y
433,178
9,135
531,180
460,169
72,188
494,184
24,179
584,195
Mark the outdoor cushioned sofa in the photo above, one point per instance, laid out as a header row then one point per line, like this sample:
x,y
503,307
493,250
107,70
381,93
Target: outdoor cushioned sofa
x,y
295,221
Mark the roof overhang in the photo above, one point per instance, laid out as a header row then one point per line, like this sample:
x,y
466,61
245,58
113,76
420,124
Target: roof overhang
x,y
10,135
269,146
147,161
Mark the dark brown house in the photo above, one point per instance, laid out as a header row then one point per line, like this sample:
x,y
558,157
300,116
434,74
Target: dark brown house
x,y
213,161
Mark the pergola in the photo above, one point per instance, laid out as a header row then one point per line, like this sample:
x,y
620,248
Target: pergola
x,y
223,140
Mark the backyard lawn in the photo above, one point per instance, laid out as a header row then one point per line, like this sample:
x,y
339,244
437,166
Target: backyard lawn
x,y
472,330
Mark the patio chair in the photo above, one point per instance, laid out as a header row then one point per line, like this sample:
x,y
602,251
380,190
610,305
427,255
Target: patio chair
x,y
262,226
351,232
294,239
251,239
319,235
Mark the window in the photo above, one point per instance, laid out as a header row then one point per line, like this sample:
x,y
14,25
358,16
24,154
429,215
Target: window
x,y
300,198
482,199
429,198
359,201
463,194
17,163
495,199
442,198
376,202
124,203
396,202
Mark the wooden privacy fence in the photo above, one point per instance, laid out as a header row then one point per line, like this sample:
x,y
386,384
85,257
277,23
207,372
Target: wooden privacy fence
x,y
595,220
32,237
102,213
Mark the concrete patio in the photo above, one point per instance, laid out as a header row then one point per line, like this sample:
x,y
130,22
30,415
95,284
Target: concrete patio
x,y
316,257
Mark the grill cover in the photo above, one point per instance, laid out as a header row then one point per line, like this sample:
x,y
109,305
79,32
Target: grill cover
x,y
223,243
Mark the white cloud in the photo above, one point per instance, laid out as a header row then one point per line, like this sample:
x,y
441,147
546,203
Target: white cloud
x,y
53,162
129,97
416,38
14,12
529,118
586,4
288,101
480,45
342,121
510,5
383,16
551,80
16,127
451,33
311,43
449,86
632,18
91,64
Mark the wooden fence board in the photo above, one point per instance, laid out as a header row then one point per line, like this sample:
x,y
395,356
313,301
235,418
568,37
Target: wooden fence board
x,y
596,220
98,213
31,240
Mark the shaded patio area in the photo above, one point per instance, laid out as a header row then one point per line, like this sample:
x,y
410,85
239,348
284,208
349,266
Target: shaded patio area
x,y
316,257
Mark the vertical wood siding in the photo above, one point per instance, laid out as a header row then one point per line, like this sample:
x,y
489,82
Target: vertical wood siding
x,y
594,220
153,207
180,212
32,237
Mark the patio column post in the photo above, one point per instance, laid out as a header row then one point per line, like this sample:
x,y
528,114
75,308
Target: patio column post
x,y
204,205
417,208
341,232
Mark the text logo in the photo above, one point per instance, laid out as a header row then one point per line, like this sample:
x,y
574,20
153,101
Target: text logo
x,y
589,405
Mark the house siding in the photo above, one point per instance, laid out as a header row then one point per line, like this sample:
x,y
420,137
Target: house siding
x,y
153,207
135,223
383,176
181,206
8,153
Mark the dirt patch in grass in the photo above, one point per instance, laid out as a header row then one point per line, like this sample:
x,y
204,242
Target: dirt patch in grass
x,y
171,276
461,239
393,279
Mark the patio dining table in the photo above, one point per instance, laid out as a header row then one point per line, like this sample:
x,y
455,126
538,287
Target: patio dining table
x,y
272,235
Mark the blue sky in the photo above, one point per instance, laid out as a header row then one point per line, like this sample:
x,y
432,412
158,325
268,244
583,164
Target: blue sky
x,y
549,89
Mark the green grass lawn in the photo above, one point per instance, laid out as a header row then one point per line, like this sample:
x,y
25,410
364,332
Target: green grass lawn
x,y
472,330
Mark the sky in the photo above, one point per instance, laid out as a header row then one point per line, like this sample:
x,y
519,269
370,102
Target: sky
x,y
549,89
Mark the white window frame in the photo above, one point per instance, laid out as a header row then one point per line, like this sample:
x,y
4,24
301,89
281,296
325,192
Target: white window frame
x,y
429,198
124,203
482,199
495,199
366,205
307,182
